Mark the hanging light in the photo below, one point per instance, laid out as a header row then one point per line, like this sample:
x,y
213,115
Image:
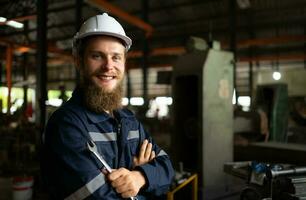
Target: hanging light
x,y
14,24
11,23
2,19
276,75
244,4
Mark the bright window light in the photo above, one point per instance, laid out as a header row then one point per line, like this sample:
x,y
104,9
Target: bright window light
x,y
19,102
164,100
2,19
234,97
4,91
159,107
13,109
276,75
54,102
244,101
137,101
125,101
14,24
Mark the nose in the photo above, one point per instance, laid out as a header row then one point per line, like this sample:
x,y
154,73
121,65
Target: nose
x,y
108,64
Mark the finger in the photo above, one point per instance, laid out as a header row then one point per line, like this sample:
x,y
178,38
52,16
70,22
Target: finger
x,y
135,161
152,156
148,151
143,148
118,184
123,182
115,174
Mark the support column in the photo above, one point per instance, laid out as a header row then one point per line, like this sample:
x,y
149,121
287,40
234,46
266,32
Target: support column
x,y
9,61
25,71
25,78
129,87
233,46
78,23
251,80
145,58
78,14
251,52
41,66
1,83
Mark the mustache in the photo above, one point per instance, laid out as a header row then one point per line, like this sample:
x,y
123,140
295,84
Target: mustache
x,y
98,72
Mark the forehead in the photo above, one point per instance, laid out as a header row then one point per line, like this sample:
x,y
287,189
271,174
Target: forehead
x,y
104,42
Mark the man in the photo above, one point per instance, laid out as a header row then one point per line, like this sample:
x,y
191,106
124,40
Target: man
x,y
94,114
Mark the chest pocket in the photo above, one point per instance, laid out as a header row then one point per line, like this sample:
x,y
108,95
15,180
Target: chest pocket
x,y
106,145
133,138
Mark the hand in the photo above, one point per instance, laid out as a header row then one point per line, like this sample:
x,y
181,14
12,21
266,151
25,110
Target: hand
x,y
145,155
126,182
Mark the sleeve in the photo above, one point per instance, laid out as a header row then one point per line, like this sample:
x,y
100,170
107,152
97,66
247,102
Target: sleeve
x,y
68,169
159,173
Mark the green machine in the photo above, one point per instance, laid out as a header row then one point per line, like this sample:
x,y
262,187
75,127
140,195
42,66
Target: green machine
x,y
273,99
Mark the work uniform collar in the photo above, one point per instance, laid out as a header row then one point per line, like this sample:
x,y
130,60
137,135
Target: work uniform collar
x,y
98,117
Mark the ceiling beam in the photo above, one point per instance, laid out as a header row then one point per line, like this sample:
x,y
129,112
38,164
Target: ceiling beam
x,y
179,50
26,47
60,25
135,66
104,5
291,57
23,18
286,39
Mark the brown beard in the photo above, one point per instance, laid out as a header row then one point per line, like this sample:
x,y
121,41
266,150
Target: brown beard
x,y
98,99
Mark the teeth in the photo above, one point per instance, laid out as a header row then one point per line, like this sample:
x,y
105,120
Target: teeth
x,y
106,77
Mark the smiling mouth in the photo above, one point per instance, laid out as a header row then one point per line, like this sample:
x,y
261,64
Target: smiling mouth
x,y
106,77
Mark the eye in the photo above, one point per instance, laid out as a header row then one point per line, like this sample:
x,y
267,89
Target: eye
x,y
117,58
96,56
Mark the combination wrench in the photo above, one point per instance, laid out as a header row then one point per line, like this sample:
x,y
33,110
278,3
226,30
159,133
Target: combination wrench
x,y
93,148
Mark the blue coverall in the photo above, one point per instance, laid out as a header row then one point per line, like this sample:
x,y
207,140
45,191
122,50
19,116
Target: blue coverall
x,y
70,171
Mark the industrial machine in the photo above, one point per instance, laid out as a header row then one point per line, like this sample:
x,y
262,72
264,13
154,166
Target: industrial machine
x,y
269,181
202,137
273,100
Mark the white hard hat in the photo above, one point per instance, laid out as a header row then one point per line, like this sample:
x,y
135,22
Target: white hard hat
x,y
102,25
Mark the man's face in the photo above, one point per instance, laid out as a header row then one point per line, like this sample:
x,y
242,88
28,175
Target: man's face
x,y
104,62
101,73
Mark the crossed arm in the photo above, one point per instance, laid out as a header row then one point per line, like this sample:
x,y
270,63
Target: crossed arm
x,y
129,182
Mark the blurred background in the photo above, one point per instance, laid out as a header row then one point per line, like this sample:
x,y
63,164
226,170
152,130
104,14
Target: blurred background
x,y
220,84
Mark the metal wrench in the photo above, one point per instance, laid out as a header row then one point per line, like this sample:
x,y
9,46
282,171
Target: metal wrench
x,y
93,148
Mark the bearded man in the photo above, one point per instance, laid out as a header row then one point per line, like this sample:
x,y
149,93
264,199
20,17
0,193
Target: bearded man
x,y
94,115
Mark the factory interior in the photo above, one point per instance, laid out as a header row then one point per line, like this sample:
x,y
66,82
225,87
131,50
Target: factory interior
x,y
219,85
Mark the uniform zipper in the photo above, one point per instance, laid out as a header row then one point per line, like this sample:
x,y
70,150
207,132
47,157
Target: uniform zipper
x,y
117,157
